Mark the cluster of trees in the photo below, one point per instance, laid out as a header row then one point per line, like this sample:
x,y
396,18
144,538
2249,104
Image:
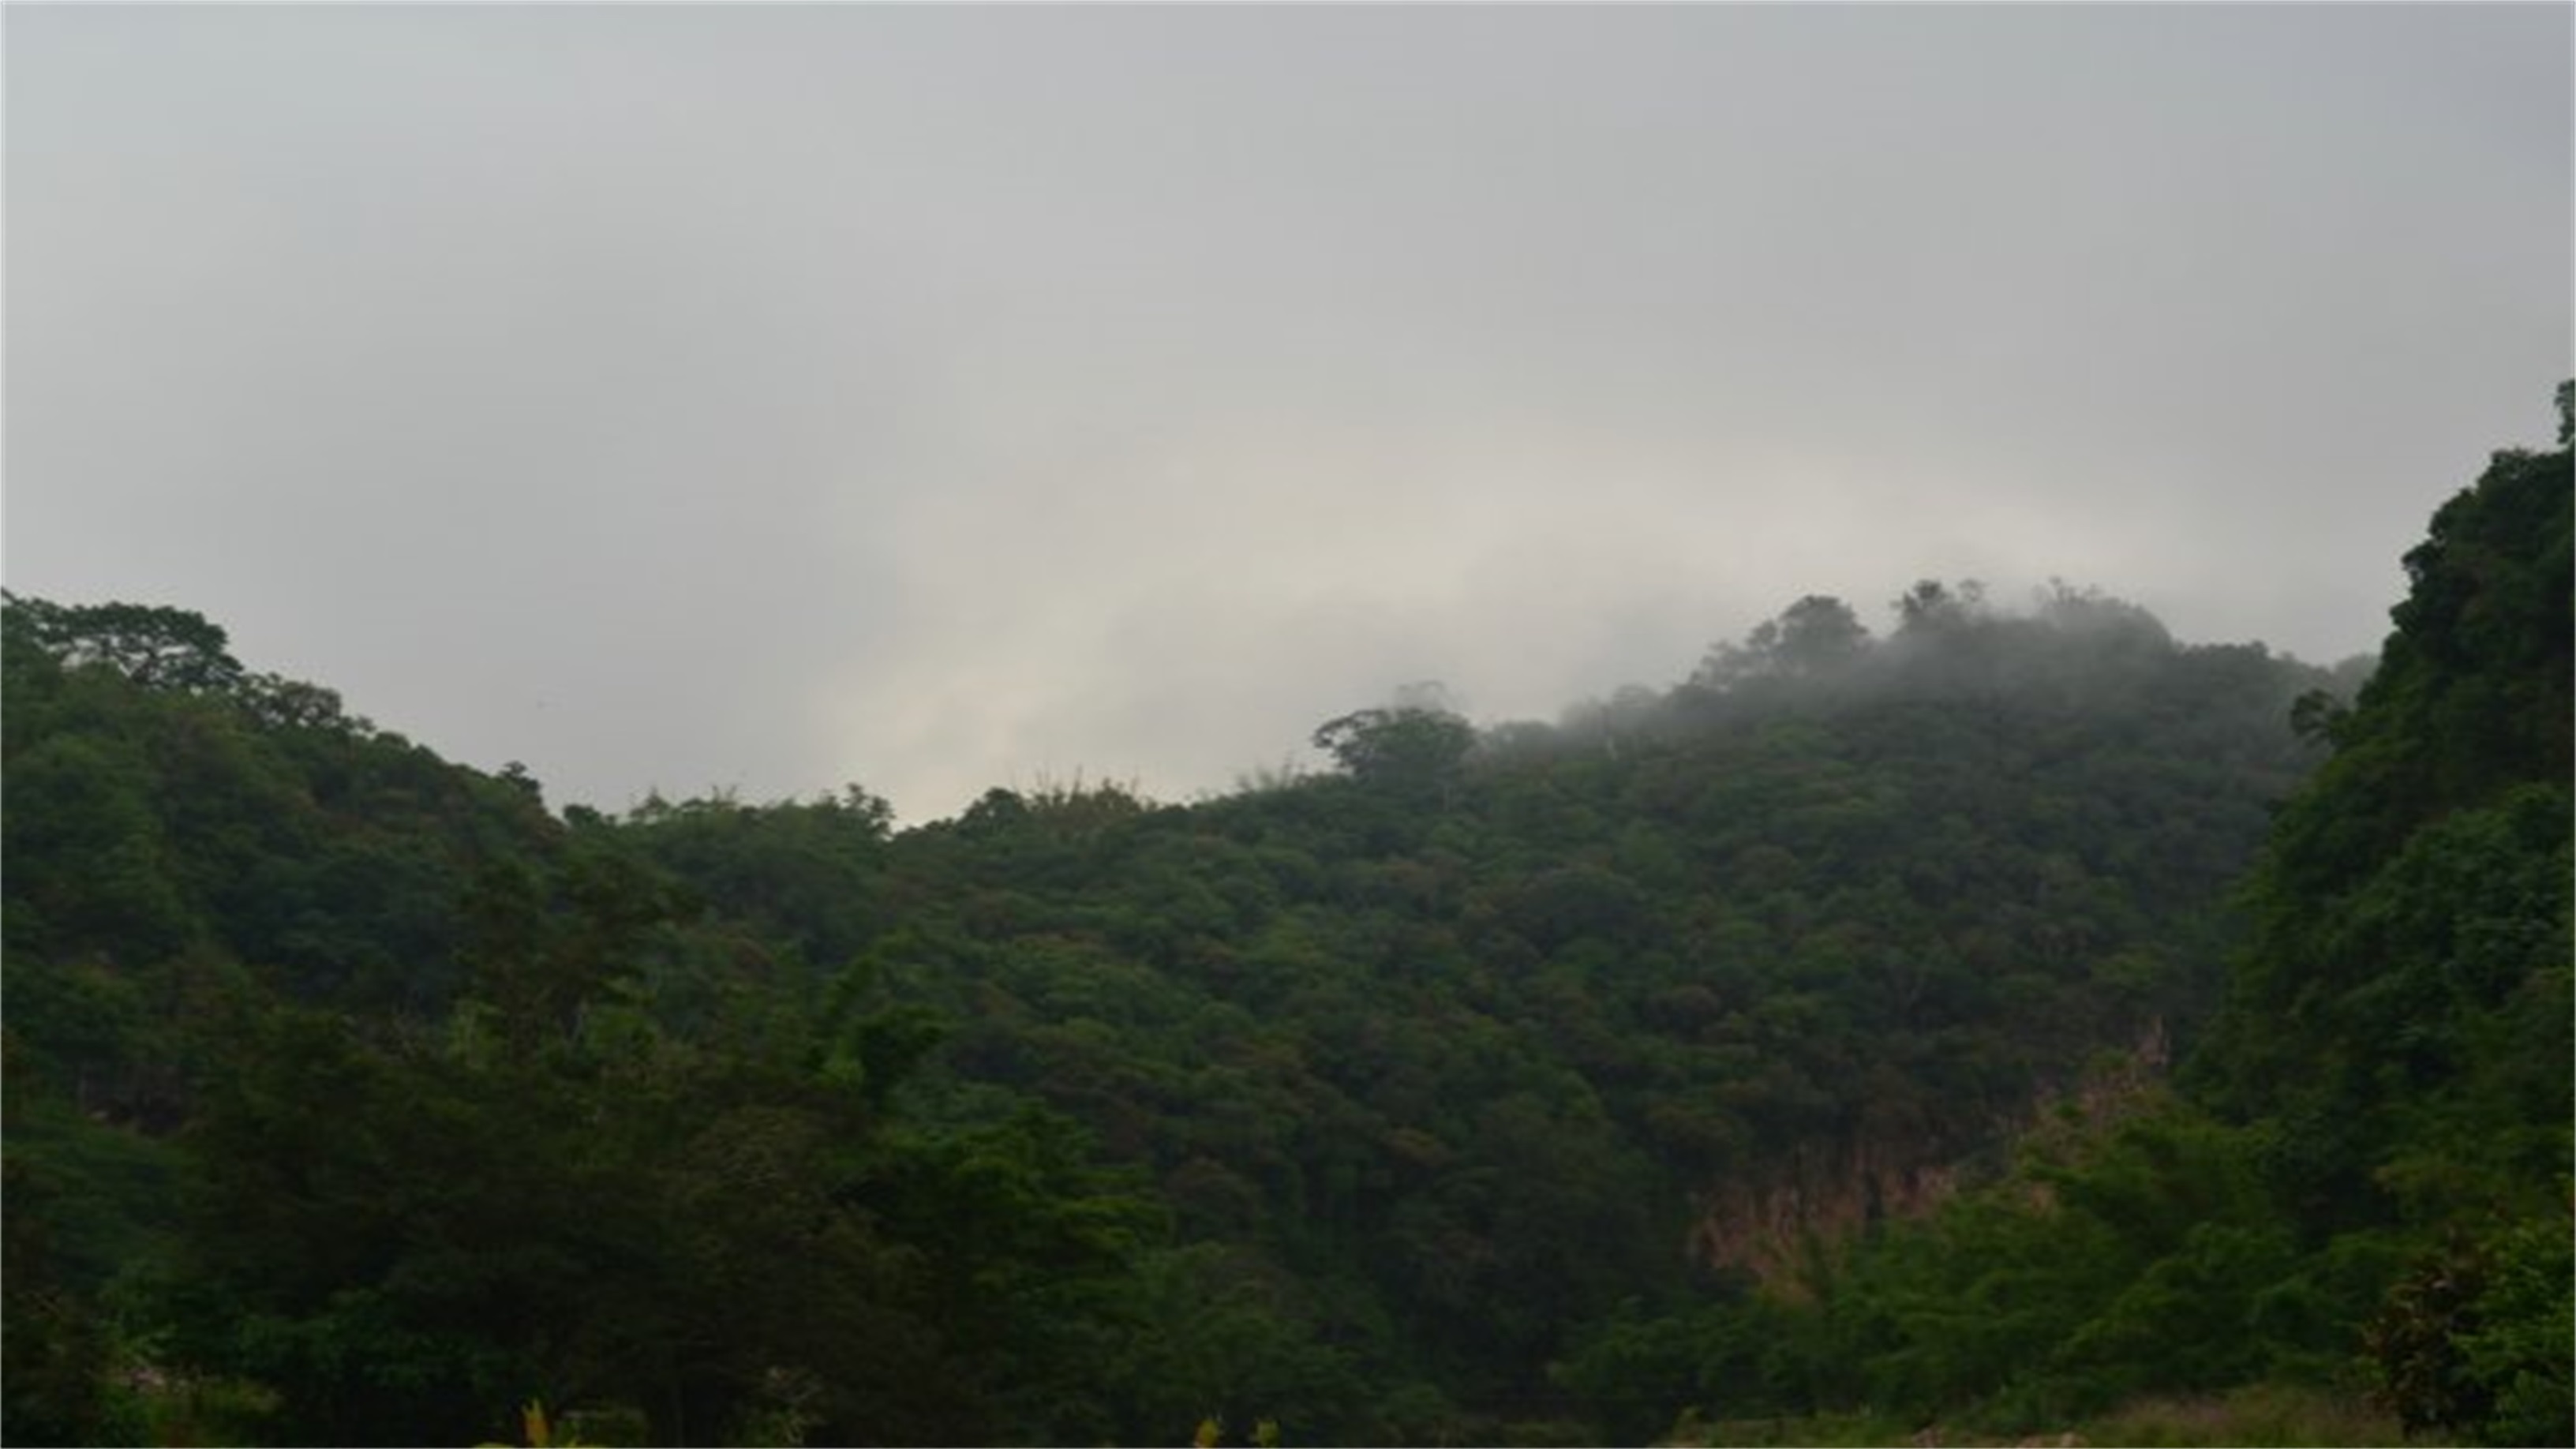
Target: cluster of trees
x,y
2360,1177
355,1099
1789,1041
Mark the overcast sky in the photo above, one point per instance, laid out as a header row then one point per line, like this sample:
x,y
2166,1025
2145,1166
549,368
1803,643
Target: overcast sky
x,y
937,397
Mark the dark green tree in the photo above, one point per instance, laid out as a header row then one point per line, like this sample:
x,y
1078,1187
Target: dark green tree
x,y
1407,748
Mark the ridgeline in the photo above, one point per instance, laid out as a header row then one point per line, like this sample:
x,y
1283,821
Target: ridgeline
x,y
1991,1026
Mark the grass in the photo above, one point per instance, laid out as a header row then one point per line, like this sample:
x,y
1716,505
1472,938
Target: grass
x,y
2259,1414
2267,1414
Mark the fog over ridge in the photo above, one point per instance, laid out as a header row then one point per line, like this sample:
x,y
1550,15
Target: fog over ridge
x,y
675,397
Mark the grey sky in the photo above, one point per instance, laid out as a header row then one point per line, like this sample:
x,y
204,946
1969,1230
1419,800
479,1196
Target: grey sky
x,y
941,397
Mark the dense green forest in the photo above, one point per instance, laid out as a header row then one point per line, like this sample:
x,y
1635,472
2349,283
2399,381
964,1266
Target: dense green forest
x,y
1989,1025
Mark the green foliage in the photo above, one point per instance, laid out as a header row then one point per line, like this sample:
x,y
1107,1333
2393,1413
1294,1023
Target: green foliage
x,y
1813,638
2475,1339
2389,1075
1412,749
157,648
55,1356
2383,1111
624,1216
1421,1067
2139,1259
1783,1046
2522,1347
2269,1413
2399,1029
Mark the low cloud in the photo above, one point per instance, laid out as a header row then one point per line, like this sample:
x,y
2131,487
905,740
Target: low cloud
x,y
942,397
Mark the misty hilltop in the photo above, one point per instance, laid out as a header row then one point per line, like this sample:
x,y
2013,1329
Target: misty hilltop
x,y
950,396
2016,1019
1273,724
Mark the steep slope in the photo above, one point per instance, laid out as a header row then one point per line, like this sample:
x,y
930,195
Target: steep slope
x,y
2362,1190
1464,1045
354,1099
2399,1034
1415,1078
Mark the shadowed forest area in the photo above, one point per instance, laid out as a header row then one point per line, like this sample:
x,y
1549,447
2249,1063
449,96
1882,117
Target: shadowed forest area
x,y
2006,1020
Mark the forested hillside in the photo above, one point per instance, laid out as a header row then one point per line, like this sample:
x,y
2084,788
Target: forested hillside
x,y
1987,1021
2361,1179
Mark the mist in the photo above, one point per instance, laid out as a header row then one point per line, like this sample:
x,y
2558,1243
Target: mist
x,y
931,398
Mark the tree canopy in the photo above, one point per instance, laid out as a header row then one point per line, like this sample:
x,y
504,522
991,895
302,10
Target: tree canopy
x,y
1998,1020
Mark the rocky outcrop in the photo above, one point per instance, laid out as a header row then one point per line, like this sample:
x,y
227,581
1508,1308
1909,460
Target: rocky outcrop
x,y
1773,1221
1769,1224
